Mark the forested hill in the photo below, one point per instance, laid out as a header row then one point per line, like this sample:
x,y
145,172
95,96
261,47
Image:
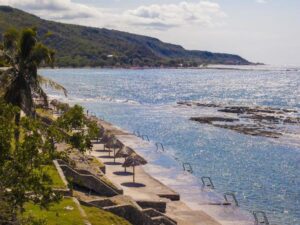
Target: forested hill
x,y
80,46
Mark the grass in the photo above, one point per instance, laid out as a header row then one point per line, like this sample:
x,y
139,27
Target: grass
x,y
57,214
56,179
100,217
97,162
45,113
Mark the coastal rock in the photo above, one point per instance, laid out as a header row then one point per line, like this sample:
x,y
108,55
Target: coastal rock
x,y
294,120
255,121
212,119
251,130
234,109
249,110
190,103
289,110
265,118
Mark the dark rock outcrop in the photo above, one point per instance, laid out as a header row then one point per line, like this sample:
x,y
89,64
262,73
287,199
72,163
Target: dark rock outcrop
x,y
255,121
210,120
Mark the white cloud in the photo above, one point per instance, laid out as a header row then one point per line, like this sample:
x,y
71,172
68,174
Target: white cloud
x,y
53,9
160,17
170,15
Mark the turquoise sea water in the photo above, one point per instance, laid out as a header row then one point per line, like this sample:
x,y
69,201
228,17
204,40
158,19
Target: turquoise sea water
x,y
264,173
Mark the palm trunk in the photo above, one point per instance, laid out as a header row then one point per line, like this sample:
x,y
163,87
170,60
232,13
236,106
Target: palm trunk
x,y
17,129
114,155
133,174
125,166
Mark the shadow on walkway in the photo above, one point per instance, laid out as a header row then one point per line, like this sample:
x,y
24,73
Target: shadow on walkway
x,y
103,151
112,163
106,157
131,184
123,173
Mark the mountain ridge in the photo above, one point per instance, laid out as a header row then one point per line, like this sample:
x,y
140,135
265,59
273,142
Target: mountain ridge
x,y
78,46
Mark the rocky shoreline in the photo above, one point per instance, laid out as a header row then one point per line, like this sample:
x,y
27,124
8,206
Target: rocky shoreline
x,y
250,120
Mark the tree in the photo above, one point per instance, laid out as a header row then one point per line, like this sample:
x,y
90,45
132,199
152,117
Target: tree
x,y
22,177
81,129
24,54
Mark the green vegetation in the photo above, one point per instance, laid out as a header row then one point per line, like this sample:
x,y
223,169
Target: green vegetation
x,y
24,53
79,46
26,143
56,214
56,181
98,216
97,163
72,119
45,113
66,213
83,129
21,164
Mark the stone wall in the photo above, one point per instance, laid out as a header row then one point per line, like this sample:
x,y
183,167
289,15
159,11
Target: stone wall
x,y
130,213
89,181
159,206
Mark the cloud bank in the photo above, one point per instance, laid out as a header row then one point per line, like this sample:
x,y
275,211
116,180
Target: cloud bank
x,y
159,17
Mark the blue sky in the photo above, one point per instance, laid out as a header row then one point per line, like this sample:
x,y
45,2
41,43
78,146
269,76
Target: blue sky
x,y
260,30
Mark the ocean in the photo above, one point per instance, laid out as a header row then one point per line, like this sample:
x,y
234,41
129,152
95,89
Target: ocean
x,y
264,173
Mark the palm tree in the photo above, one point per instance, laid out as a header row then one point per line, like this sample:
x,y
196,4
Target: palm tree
x,y
24,54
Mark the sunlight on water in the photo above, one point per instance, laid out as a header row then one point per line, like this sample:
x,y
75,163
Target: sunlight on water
x,y
263,173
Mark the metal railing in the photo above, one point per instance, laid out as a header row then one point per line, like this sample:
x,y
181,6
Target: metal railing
x,y
232,195
159,146
208,184
137,133
260,218
145,137
187,167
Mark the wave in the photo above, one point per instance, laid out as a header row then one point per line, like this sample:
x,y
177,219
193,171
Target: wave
x,y
102,99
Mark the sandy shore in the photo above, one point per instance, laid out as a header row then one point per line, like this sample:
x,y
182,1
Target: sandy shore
x,y
195,206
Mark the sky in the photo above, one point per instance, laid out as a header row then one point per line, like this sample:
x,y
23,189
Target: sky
x,y
266,31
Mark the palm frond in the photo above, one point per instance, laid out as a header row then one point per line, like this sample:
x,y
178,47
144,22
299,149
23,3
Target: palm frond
x,y
42,54
48,82
41,94
27,42
6,78
10,39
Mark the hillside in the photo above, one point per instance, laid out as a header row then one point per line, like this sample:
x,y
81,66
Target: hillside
x,y
86,46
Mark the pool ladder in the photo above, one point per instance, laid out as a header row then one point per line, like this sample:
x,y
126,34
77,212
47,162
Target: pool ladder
x,y
187,167
232,195
260,218
159,146
207,182
145,137
137,133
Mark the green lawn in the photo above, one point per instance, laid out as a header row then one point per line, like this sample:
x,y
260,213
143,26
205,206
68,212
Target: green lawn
x,y
56,179
45,113
57,213
100,217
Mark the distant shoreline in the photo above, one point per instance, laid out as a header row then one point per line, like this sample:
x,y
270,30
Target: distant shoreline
x,y
257,67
